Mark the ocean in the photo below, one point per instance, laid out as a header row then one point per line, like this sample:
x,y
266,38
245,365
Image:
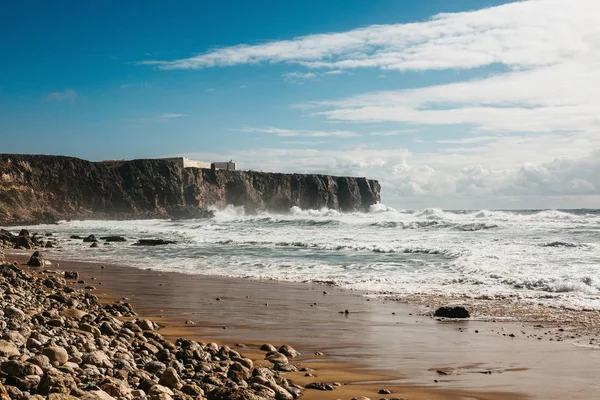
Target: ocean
x,y
547,257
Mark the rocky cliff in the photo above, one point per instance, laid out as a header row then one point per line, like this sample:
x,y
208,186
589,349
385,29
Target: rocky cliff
x,y
39,188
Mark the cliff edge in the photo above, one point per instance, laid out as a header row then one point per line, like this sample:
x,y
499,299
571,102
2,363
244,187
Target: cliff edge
x,y
42,189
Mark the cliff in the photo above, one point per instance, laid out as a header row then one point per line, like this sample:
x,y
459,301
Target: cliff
x,y
39,188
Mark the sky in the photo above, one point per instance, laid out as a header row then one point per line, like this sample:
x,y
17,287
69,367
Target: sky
x,y
463,104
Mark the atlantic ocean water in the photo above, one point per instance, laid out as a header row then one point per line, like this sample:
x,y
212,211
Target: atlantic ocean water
x,y
549,257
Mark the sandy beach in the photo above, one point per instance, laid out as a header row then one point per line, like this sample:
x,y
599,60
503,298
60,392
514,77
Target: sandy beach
x,y
377,345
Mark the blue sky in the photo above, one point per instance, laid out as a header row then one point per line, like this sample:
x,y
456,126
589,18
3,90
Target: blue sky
x,y
449,104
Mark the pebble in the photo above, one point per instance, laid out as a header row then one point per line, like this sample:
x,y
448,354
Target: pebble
x,y
65,344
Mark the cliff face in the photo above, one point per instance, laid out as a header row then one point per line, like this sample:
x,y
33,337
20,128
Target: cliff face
x,y
38,188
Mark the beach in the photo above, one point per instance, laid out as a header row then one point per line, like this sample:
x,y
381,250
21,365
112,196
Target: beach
x,y
378,344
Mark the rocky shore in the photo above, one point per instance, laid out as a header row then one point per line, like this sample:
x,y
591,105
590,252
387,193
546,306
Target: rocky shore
x,y
41,189
60,342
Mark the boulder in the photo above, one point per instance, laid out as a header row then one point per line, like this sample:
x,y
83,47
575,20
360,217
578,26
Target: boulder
x,y
36,260
170,378
289,351
452,312
23,243
153,242
8,349
71,275
90,239
55,381
97,358
114,238
56,354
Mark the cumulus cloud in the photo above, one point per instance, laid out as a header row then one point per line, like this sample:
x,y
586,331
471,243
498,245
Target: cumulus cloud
x,y
65,95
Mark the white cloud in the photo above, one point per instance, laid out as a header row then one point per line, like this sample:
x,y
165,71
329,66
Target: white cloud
x,y
65,95
429,180
531,129
160,118
299,75
295,132
523,34
395,133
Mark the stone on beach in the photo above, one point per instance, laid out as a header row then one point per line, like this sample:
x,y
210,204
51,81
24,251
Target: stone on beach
x,y
452,312
63,344
289,351
36,260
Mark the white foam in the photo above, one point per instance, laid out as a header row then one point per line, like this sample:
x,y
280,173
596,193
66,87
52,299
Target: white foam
x,y
478,253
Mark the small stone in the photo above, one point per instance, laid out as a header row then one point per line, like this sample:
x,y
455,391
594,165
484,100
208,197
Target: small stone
x,y
268,347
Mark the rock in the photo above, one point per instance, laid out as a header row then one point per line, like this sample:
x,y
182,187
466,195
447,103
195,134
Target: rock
x,y
170,378
289,351
384,391
153,242
96,395
97,358
268,347
361,398
36,260
76,237
24,243
94,245
276,358
73,275
159,389
14,314
90,239
20,369
61,396
56,354
8,349
55,381
192,390
319,386
452,312
3,393
114,238
146,325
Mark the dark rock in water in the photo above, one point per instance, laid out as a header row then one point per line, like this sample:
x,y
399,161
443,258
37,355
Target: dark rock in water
x,y
153,242
559,244
76,237
452,312
24,242
49,245
24,233
90,239
95,244
114,238
36,260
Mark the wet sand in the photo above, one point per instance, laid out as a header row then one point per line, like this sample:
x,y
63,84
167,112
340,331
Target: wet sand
x,y
378,344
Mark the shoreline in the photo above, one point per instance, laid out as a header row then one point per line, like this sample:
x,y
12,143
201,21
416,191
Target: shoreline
x,y
412,350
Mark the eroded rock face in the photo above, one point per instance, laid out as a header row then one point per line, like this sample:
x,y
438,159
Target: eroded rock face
x,y
42,189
